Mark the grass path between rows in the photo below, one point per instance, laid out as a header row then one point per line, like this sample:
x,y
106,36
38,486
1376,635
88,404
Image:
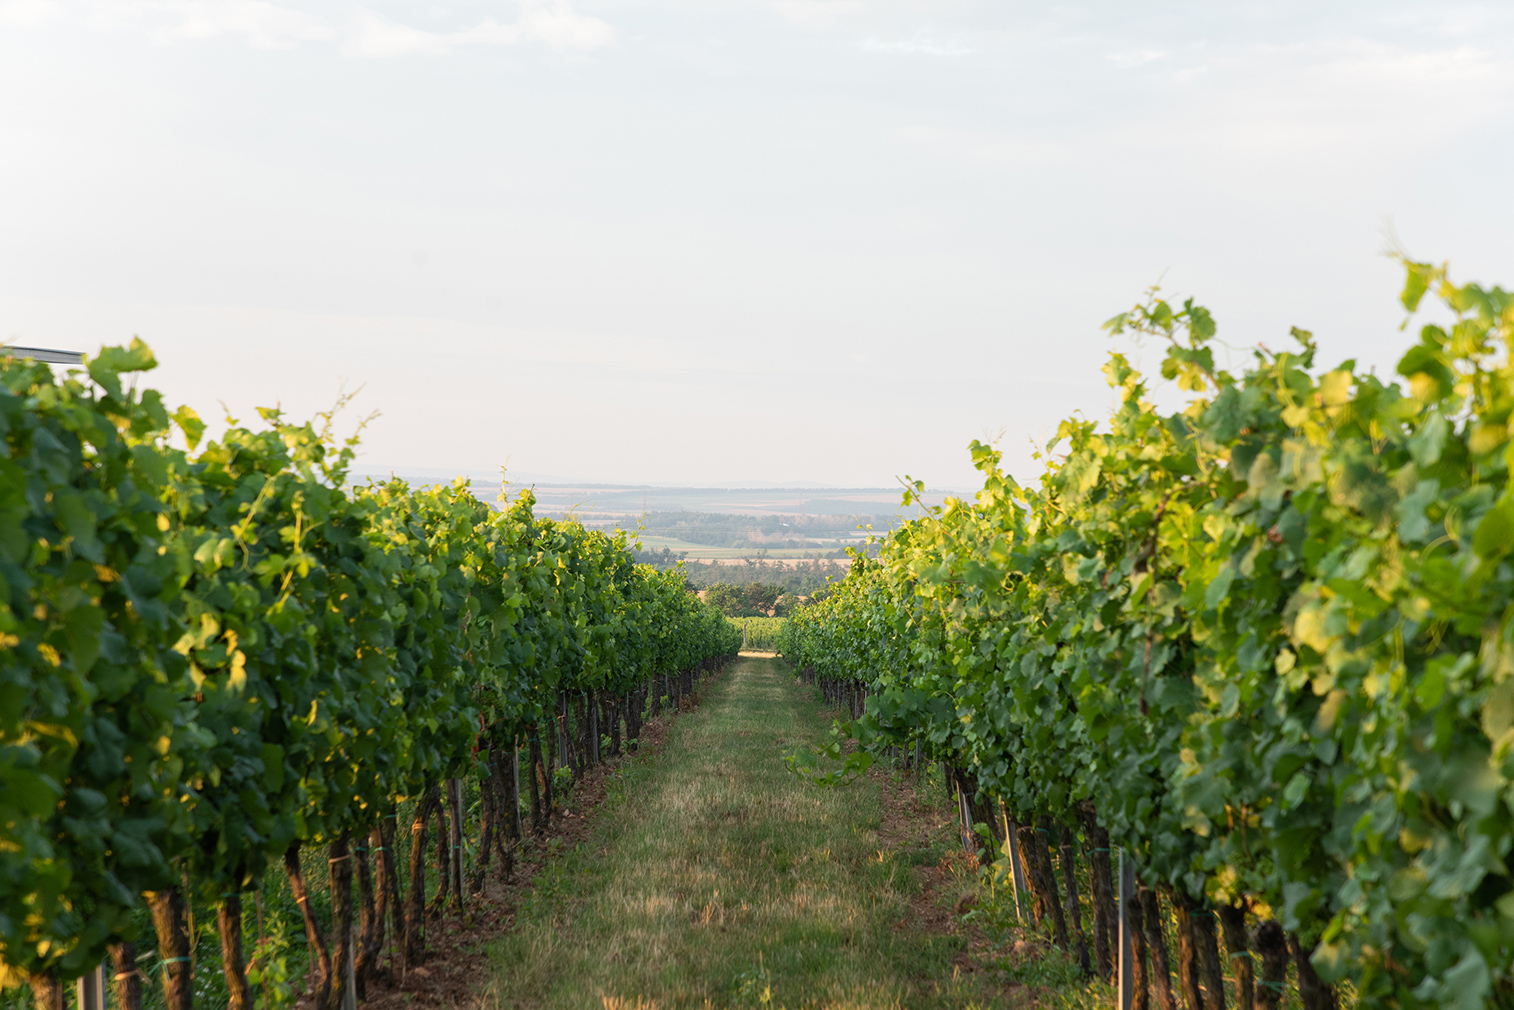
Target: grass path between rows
x,y
716,878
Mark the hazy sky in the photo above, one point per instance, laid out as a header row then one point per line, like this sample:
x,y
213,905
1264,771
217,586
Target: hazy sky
x,y
827,240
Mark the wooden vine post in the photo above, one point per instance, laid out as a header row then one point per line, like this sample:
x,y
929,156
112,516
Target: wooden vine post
x,y
1016,875
520,828
965,821
91,989
1126,934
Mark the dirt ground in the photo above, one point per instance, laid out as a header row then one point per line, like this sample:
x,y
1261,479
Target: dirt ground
x,y
916,823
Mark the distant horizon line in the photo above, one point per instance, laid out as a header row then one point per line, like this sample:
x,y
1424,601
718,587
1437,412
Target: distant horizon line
x,y
477,476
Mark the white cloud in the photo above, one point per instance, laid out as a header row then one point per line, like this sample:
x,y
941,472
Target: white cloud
x,y
1332,111
261,24
817,14
26,12
917,46
553,23
375,37
556,24
1475,21
1137,58
982,148
1377,64
266,25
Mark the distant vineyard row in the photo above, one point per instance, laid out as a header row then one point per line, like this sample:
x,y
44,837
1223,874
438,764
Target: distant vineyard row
x,y
759,633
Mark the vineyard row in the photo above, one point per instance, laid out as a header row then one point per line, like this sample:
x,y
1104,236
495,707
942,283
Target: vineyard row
x,y
213,658
1262,643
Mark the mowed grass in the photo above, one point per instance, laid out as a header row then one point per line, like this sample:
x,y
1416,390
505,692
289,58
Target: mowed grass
x,y
717,878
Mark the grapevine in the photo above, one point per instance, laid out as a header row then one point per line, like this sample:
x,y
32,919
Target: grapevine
x,y
213,657
1262,642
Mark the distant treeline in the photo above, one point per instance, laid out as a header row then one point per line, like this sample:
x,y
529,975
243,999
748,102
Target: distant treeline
x,y
774,532
754,599
800,578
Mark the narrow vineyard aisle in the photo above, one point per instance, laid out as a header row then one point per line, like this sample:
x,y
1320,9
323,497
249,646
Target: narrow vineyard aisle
x,y
719,879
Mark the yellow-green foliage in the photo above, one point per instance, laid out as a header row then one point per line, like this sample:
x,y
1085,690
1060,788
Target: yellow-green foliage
x,y
1269,635
209,655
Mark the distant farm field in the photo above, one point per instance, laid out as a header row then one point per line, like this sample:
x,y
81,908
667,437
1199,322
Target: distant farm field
x,y
706,553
